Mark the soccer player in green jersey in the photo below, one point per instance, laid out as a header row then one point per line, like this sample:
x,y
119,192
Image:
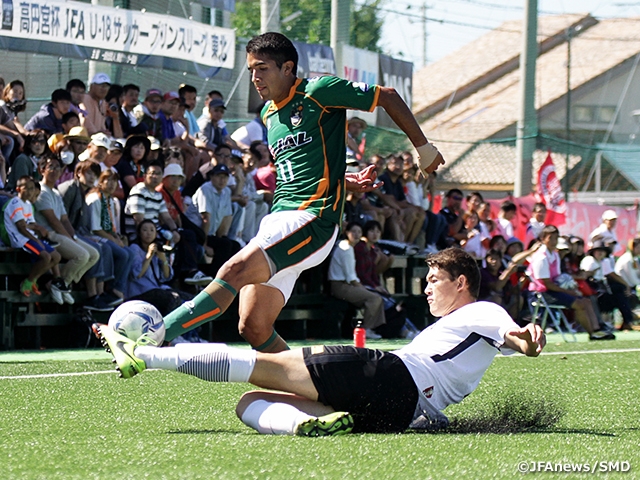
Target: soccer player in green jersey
x,y
306,121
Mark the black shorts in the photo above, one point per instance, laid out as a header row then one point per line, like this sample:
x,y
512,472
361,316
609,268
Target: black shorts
x,y
375,387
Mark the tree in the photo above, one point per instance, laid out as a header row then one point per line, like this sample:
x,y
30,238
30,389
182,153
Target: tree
x,y
314,24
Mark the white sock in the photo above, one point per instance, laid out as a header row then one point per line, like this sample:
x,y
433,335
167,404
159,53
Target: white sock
x,y
214,362
273,418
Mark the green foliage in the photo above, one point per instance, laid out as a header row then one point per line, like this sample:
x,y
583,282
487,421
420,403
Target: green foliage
x,y
314,24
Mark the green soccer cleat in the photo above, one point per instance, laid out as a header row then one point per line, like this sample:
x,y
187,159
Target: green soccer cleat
x,y
336,423
121,348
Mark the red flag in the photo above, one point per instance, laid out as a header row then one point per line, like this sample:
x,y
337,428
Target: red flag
x,y
549,192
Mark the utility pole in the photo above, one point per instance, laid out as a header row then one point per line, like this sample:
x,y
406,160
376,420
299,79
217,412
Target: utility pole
x,y
565,180
424,33
527,127
340,29
269,16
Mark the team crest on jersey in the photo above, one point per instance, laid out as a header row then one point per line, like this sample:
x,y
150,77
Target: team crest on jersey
x,y
296,115
362,86
428,392
190,306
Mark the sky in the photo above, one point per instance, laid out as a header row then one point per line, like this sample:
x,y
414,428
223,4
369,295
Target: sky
x,y
452,24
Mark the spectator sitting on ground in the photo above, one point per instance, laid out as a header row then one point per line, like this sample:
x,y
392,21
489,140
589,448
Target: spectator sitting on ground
x,y
20,230
536,223
506,215
345,284
606,231
49,117
544,268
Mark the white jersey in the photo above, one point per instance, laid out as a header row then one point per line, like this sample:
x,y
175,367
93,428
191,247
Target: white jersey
x,y
15,211
448,359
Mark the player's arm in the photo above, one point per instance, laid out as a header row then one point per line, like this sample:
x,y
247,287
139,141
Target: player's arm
x,y
21,225
429,157
529,340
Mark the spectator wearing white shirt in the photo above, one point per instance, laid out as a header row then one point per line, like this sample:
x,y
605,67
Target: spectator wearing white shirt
x,y
628,266
345,284
505,216
536,223
606,231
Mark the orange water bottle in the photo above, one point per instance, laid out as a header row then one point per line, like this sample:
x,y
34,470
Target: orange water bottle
x,y
359,336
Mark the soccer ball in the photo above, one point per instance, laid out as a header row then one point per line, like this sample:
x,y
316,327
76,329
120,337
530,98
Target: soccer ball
x,y
135,318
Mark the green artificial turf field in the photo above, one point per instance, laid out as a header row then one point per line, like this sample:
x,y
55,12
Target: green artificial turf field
x,y
573,407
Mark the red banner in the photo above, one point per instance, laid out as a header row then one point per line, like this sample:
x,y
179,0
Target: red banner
x,y
549,191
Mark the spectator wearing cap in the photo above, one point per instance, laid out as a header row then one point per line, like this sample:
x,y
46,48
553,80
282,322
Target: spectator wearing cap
x,y
206,116
212,134
606,231
94,105
78,139
97,149
49,117
169,105
451,212
212,210
147,113
356,138
613,290
155,149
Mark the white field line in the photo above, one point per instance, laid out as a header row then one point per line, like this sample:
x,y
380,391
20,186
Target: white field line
x,y
77,374
586,352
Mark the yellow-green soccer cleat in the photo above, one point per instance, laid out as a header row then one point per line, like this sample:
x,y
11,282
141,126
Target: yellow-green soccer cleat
x,y
121,348
336,423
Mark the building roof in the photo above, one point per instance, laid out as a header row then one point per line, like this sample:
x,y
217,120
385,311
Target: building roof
x,y
625,159
493,110
491,166
483,61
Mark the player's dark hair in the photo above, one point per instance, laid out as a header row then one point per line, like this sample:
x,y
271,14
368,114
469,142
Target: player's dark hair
x,y
456,262
276,47
370,225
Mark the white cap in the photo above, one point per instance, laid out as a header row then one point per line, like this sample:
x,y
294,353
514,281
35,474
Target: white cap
x,y
100,78
173,169
609,215
101,140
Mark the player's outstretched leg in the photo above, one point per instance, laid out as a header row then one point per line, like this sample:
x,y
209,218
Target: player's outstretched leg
x,y
122,349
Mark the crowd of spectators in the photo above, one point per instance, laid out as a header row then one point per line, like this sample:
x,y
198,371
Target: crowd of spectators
x,y
132,196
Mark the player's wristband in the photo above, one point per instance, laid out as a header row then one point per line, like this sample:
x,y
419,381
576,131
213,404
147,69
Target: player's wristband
x,y
427,153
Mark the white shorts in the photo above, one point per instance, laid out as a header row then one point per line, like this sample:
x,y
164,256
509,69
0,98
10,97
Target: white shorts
x,y
293,241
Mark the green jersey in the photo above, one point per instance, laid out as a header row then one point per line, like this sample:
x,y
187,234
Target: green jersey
x,y
307,135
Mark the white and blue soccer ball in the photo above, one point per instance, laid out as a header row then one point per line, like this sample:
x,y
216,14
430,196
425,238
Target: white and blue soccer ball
x,y
136,318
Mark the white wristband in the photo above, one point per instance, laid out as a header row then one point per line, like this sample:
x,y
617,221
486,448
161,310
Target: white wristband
x,y
427,153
